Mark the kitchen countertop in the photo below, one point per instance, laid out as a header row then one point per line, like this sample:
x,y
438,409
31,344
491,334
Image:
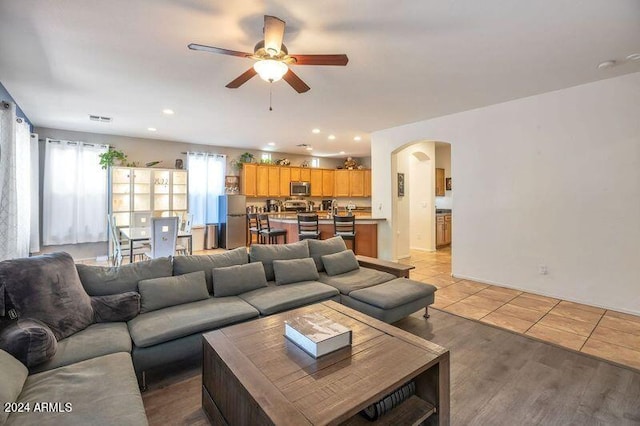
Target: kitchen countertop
x,y
323,218
442,212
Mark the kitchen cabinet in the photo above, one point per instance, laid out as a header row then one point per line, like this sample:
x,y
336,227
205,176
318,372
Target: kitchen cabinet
x,y
285,181
439,182
274,181
262,182
443,230
295,174
367,183
248,179
305,174
316,182
341,183
327,183
356,183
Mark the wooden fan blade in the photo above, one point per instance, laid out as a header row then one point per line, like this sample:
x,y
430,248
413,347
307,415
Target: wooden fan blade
x,y
244,77
212,49
339,60
295,82
273,34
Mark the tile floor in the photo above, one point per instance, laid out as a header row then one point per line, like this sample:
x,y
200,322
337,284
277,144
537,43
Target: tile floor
x,y
606,334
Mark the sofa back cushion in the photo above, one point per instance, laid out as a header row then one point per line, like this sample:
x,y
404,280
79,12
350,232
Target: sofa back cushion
x,y
161,293
295,271
268,253
319,248
104,280
13,374
206,263
340,263
47,288
234,280
30,341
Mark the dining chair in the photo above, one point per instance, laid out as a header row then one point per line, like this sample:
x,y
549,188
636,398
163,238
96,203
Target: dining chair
x,y
308,228
141,219
267,233
345,227
252,226
164,234
181,249
120,250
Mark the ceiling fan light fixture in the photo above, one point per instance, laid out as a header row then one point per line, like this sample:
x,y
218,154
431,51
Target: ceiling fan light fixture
x,y
270,70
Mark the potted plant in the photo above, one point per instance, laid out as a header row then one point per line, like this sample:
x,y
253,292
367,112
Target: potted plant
x,y
247,157
108,158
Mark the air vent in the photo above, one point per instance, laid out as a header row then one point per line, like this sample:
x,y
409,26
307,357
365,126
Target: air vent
x,y
303,145
100,118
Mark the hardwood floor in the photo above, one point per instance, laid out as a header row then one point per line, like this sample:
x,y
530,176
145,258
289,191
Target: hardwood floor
x,y
497,378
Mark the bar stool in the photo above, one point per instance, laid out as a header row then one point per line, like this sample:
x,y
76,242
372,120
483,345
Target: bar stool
x,y
267,233
345,227
252,225
308,228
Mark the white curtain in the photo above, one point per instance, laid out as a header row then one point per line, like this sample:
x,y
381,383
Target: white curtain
x,y
15,187
34,245
206,183
74,204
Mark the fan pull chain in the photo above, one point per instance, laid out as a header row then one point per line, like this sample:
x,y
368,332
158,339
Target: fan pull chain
x,y
270,86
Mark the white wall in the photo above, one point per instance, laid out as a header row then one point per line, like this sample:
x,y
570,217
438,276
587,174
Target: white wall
x,y
552,179
443,161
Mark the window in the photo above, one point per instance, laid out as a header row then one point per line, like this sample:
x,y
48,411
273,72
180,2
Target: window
x,y
266,157
315,162
206,183
74,205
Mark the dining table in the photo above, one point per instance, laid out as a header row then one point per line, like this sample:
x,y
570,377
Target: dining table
x,y
143,233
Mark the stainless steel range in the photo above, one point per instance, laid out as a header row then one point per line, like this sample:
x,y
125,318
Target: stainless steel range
x,y
296,205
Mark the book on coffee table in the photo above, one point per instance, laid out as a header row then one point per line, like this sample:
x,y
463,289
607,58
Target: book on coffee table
x,y
316,334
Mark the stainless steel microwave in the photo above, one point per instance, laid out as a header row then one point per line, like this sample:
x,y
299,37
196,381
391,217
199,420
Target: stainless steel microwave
x,y
300,189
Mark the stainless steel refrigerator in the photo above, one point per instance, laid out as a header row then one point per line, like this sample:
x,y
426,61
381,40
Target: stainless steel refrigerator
x,y
232,211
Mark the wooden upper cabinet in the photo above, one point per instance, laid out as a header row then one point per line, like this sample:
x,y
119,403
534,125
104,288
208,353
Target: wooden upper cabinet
x,y
356,183
295,174
305,174
327,183
248,179
262,182
367,183
274,181
341,183
316,182
439,182
285,181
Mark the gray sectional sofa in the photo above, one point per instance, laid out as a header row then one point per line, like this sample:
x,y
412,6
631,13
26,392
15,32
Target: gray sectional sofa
x,y
179,300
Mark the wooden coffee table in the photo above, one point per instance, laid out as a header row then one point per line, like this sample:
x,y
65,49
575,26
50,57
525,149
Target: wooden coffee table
x,y
253,375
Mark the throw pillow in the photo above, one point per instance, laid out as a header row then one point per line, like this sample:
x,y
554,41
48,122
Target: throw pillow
x,y
104,280
48,288
268,253
161,293
339,263
206,263
234,280
116,307
30,341
295,271
13,374
319,248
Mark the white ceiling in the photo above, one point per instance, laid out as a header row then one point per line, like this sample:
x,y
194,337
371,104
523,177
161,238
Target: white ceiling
x,y
409,60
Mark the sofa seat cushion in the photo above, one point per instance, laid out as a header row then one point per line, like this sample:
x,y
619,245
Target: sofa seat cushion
x,y
178,321
206,263
13,374
94,341
100,391
104,280
394,293
355,280
272,299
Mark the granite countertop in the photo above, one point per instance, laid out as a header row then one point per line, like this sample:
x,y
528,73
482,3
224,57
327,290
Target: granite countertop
x,y
443,211
322,217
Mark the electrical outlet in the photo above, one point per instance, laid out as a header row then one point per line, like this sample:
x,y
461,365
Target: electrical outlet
x,y
542,269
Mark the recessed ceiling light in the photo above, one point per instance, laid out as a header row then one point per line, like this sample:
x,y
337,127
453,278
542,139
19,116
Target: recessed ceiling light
x,y
634,57
309,148
331,137
271,144
606,64
342,152
168,111
151,129
316,131
357,138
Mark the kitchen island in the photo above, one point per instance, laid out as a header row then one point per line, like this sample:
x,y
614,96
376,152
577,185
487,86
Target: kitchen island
x,y
366,230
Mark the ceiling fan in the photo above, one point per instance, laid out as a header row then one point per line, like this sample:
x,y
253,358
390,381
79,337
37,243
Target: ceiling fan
x,y
273,59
